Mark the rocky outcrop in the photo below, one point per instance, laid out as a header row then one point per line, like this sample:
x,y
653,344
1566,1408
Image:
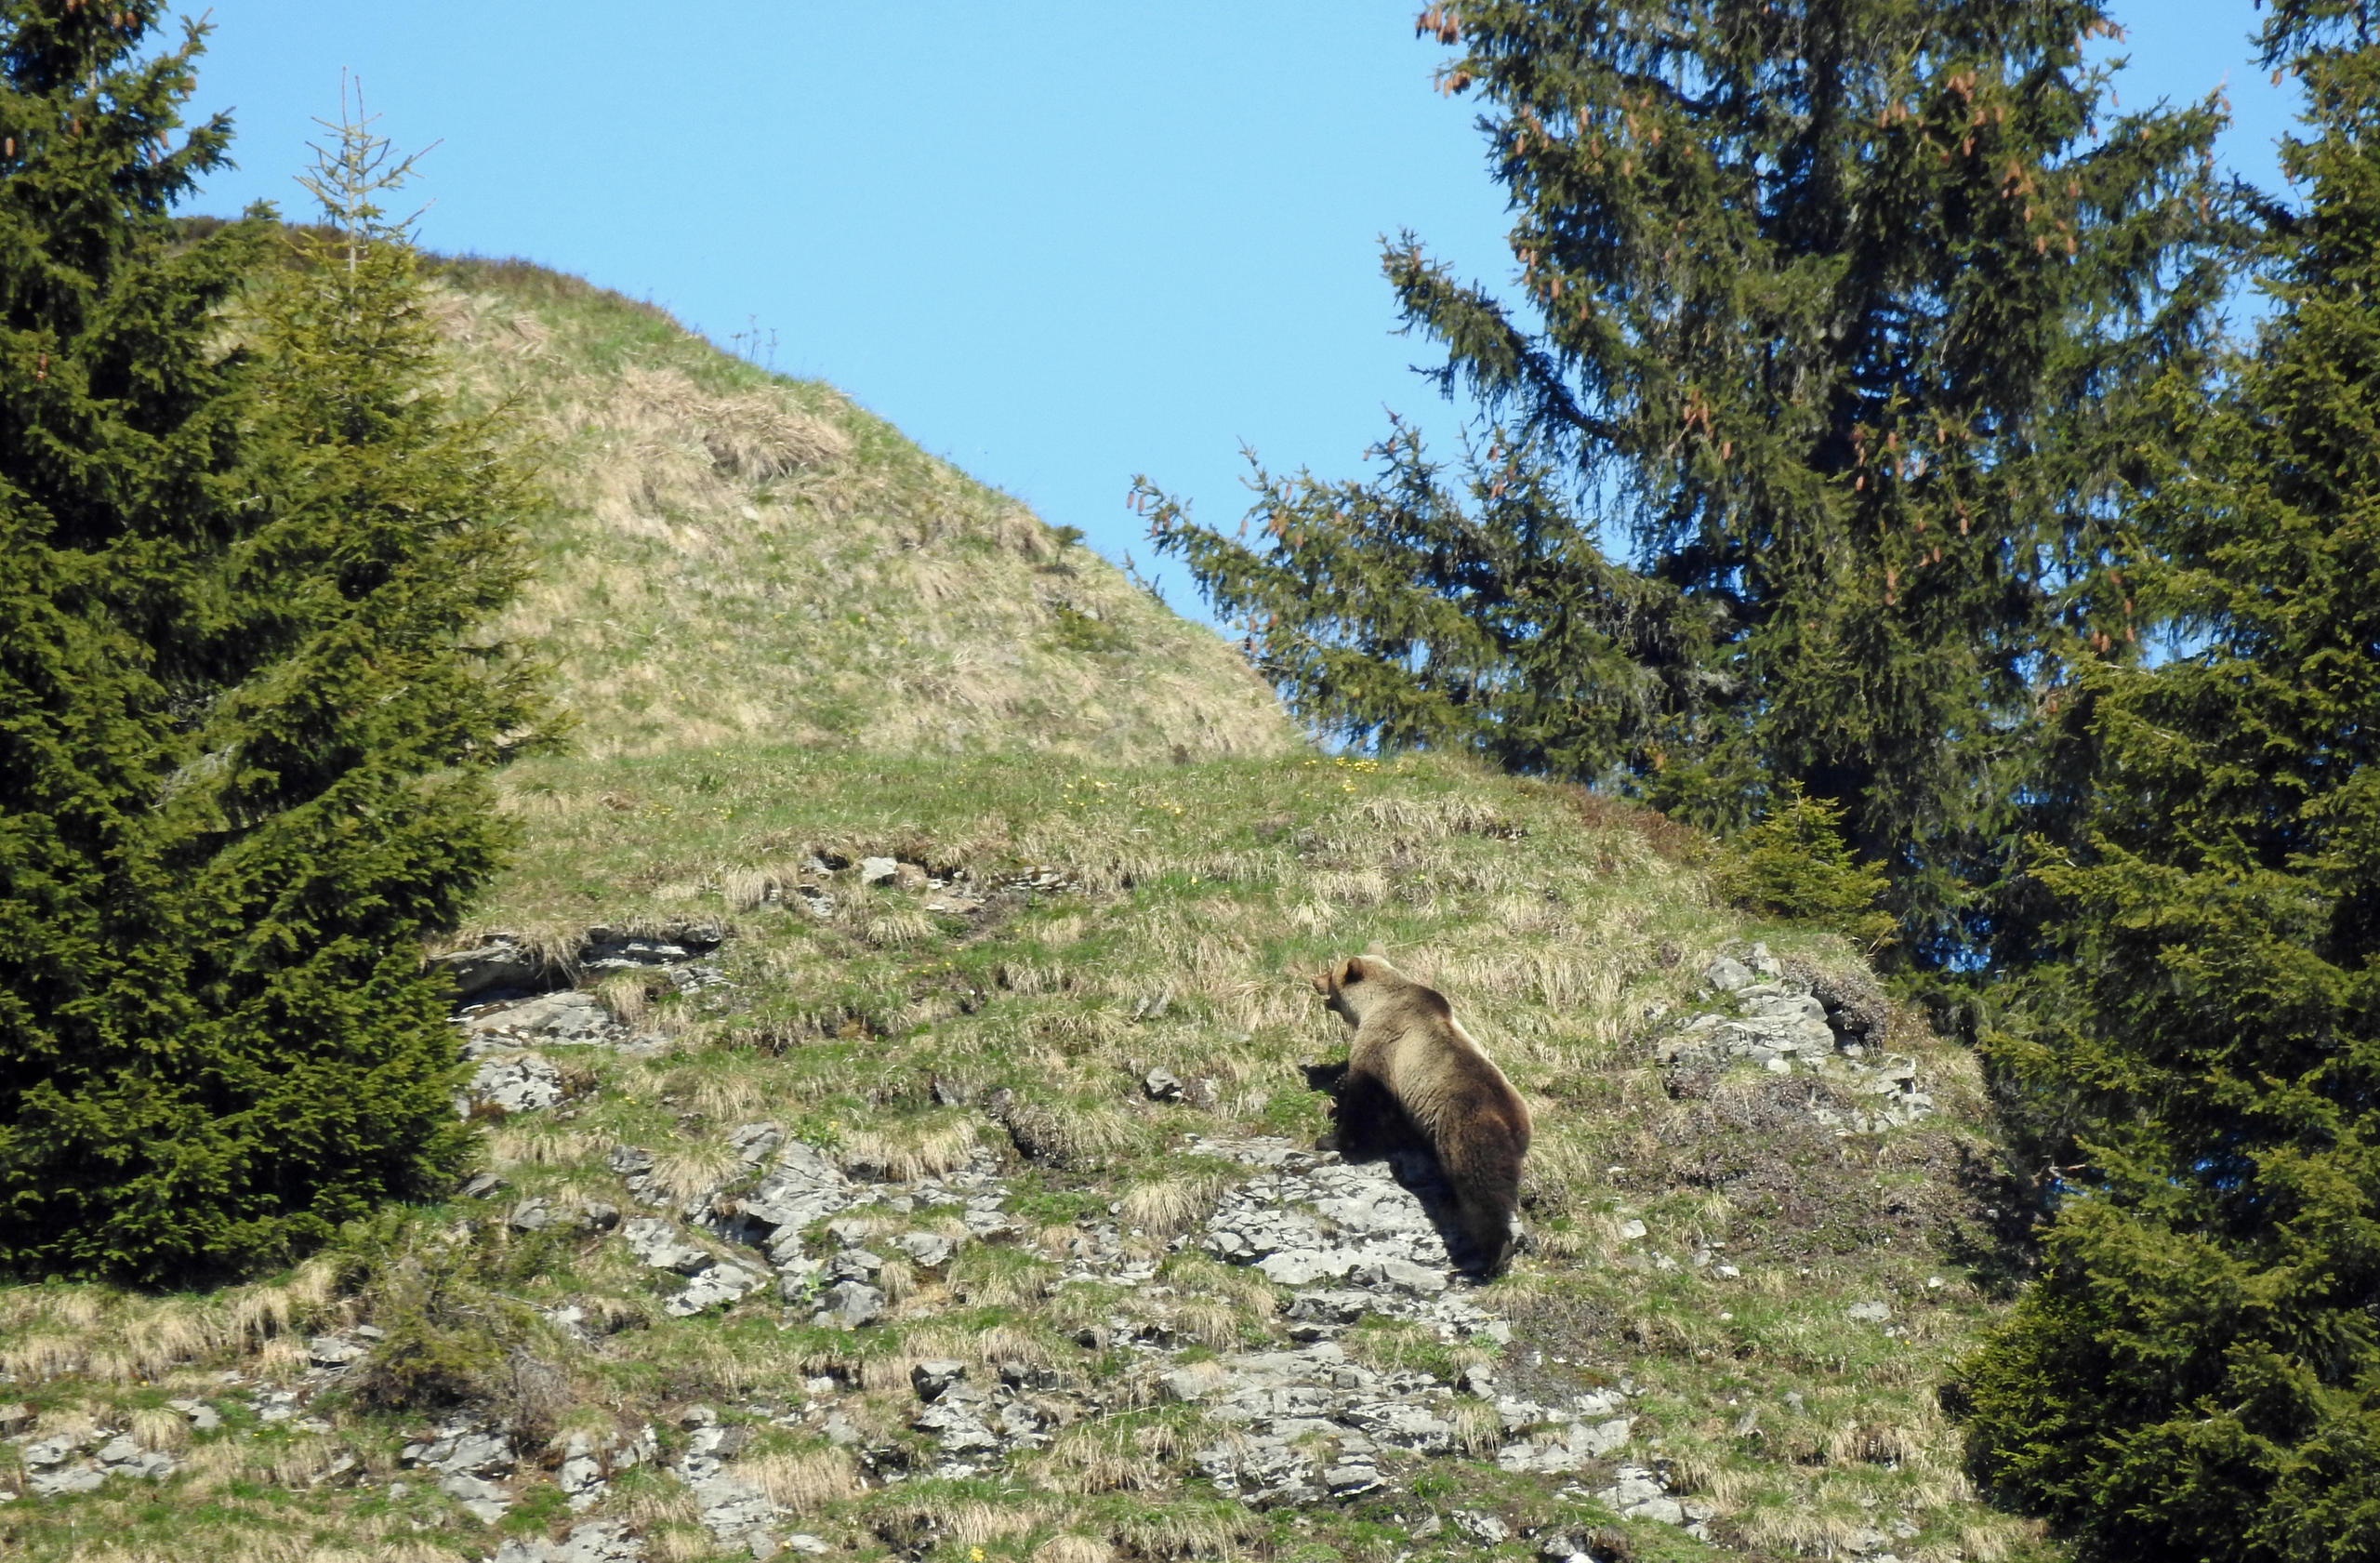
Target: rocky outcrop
x,y
57,1466
1805,1023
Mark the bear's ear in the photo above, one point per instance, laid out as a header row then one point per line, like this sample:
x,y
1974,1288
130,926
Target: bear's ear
x,y
1351,971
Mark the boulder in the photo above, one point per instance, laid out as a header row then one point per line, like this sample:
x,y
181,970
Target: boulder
x,y
483,1501
851,1305
569,1017
329,1351
661,1245
518,1083
931,1379
1726,974
712,1288
929,1250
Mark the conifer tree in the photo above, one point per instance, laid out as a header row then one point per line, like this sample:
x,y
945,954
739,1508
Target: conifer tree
x,y
2197,1371
243,730
1844,315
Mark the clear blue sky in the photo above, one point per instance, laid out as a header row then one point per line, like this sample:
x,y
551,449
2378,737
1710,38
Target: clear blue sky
x,y
1059,242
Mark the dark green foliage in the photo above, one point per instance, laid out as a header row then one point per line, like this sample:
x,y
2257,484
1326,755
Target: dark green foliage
x,y
242,746
451,1337
2197,1374
1794,864
1848,316
1402,612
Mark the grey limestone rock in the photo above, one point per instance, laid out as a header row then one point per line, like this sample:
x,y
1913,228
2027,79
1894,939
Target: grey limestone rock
x,y
878,870
711,1288
802,1187
851,1305
484,1500
202,1418
735,1511
517,1083
1331,1306
932,1379
1726,973
57,1481
1602,1437
1870,1313
752,1142
569,1017
581,1478
462,1449
855,1263
599,1540
986,1221
927,1250
798,1277
958,1428
1351,1479
626,953
330,1351
661,1245
1638,1494
1488,1530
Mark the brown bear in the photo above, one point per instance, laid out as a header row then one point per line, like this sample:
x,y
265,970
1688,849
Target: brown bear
x,y
1413,1074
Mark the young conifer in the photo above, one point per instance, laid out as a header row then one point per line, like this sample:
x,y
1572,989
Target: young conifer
x,y
243,729
1844,314
2197,1371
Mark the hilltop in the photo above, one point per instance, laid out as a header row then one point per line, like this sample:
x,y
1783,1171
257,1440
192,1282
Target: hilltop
x,y
890,1050
732,555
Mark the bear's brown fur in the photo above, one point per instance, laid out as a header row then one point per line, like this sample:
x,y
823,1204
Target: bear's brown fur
x,y
1413,1072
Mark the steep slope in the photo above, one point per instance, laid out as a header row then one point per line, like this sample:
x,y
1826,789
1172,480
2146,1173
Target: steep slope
x,y
899,1143
735,555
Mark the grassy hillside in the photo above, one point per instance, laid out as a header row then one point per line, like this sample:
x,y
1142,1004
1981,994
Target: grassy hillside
x,y
733,555
914,1164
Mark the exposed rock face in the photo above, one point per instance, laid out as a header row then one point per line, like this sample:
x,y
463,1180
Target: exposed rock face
x,y
1304,1423
506,1007
1310,1424
521,1083
596,1540
1802,1023
54,1467
569,1017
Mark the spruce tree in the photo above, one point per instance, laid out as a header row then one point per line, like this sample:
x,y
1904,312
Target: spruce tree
x,y
2196,1373
1845,316
243,730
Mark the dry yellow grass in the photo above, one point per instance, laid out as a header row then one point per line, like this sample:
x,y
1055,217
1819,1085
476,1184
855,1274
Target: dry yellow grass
x,y
1072,1548
804,1480
733,556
